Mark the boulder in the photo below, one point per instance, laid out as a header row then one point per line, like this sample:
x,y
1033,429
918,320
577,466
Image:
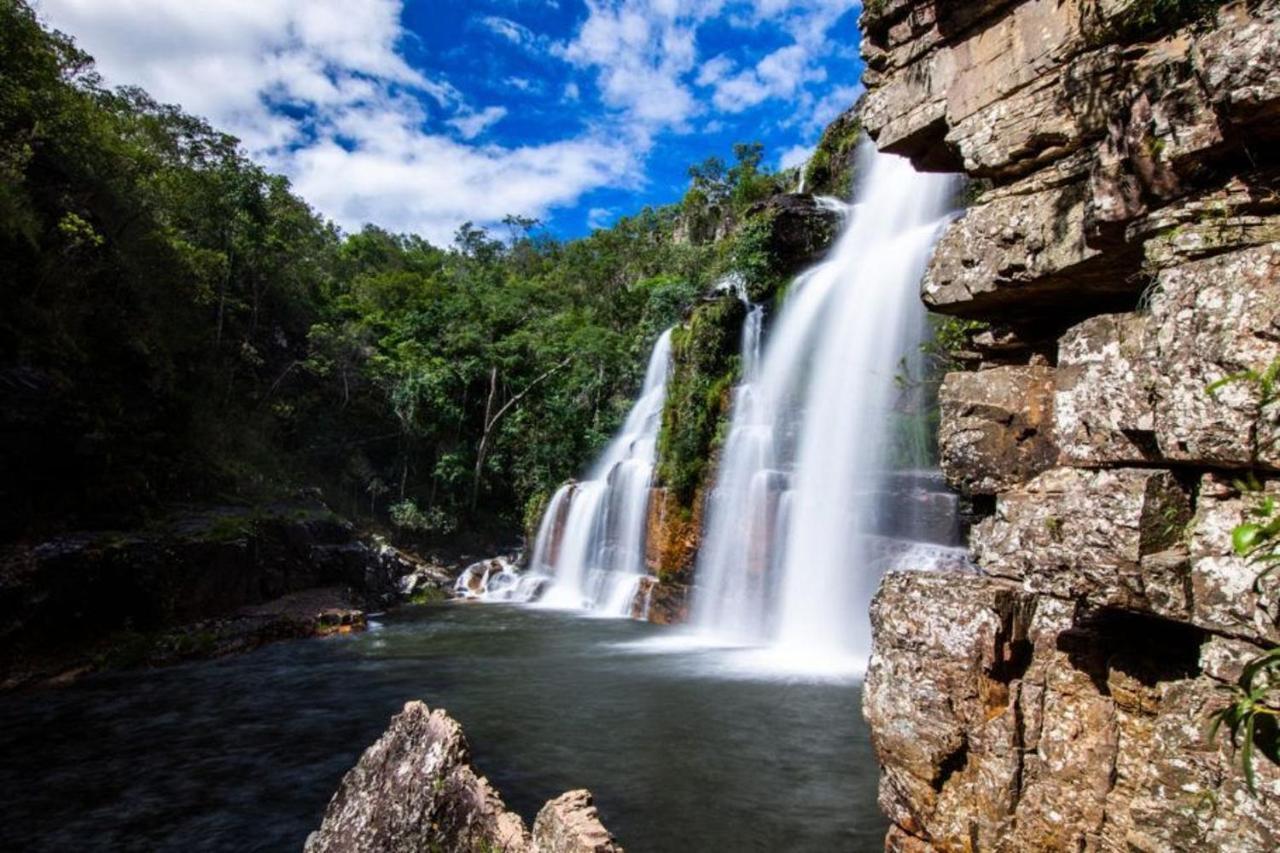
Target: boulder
x,y
415,790
996,427
571,824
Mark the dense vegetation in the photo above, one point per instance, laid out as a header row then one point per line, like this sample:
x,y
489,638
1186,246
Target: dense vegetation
x,y
177,325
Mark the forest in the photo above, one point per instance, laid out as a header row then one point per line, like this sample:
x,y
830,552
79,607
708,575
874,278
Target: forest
x,y
176,325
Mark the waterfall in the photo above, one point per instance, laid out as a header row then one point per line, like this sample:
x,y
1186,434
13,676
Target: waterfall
x,y
793,545
589,552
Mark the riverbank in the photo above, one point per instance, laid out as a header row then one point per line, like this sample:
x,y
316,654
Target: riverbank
x,y
197,583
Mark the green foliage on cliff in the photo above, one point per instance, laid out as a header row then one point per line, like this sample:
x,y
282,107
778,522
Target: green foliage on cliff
x,y
1252,713
830,169
705,356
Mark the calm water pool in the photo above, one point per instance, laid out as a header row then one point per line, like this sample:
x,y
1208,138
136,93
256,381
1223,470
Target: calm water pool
x,y
684,749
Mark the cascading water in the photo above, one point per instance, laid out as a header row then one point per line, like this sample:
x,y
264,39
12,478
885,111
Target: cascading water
x,y
791,554
589,553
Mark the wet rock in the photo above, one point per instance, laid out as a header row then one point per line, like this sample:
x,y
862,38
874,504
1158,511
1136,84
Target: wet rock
x,y
996,427
662,602
571,824
799,231
74,601
1102,535
673,534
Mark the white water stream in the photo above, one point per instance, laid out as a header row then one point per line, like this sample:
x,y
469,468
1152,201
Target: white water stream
x,y
791,554
589,553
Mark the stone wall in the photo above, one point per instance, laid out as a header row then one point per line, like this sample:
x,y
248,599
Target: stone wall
x,y
1125,249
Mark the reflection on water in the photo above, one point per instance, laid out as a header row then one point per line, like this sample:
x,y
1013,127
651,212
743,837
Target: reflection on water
x,y
683,749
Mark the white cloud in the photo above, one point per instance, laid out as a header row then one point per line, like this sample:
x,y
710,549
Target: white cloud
x,y
514,32
833,103
359,152
779,75
644,53
600,217
797,155
472,125
369,137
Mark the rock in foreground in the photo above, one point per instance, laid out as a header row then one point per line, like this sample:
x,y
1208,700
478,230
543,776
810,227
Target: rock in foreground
x,y
415,790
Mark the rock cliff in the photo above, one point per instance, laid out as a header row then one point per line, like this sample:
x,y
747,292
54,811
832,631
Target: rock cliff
x,y
1125,249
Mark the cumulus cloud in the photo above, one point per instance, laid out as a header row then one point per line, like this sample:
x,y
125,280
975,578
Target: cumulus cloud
x,y
645,55
797,155
321,91
356,144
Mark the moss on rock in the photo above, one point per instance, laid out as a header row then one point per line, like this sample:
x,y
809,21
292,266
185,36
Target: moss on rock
x,y
705,366
830,169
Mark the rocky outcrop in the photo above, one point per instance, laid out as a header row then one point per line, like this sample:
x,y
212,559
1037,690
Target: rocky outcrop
x,y
199,584
797,230
415,790
571,824
1125,248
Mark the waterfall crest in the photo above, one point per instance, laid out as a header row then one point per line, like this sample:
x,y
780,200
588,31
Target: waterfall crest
x,y
794,547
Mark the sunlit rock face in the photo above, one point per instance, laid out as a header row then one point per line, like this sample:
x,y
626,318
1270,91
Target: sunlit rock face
x,y
415,790
1125,247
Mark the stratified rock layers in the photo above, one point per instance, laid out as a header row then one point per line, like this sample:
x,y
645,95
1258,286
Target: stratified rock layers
x,y
1060,699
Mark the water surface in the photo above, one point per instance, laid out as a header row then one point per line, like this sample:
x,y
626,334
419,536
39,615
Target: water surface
x,y
684,749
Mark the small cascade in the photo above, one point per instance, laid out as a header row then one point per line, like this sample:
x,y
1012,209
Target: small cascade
x,y
833,204
801,517
589,552
496,580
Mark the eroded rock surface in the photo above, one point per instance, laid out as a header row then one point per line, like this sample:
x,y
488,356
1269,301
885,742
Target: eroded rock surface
x,y
1011,721
415,790
997,427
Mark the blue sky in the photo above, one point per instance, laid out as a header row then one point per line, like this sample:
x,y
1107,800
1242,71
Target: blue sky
x,y
420,115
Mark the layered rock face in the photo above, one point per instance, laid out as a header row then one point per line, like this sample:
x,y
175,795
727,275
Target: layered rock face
x,y
1125,249
415,790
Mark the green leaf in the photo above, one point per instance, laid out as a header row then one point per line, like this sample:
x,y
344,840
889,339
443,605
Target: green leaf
x,y
1245,538
1246,755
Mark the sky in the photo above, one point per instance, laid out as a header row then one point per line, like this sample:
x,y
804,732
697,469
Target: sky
x,y
419,115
